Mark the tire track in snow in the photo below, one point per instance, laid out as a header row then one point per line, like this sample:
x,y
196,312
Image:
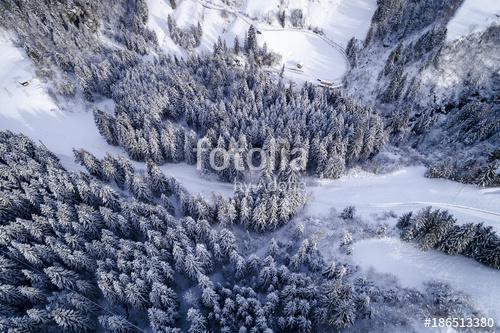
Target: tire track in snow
x,y
466,209
438,204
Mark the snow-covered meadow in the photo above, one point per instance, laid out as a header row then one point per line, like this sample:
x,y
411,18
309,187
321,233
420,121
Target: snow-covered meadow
x,y
319,59
402,191
32,111
339,19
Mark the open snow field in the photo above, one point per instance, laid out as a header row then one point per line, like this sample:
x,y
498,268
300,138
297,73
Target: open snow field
x,y
413,267
322,59
339,19
473,16
402,191
31,111
195,183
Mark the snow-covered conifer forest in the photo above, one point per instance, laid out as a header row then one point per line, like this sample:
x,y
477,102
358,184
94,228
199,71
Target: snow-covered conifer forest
x,y
249,166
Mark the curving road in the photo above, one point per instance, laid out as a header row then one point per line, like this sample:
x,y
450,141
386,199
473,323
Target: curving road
x,y
240,14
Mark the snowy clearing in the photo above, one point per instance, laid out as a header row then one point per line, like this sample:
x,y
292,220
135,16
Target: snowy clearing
x,y
413,267
339,19
403,191
194,182
320,60
473,16
31,111
322,56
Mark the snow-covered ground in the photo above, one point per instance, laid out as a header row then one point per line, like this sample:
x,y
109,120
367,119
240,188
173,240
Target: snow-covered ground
x,y
157,22
322,56
473,16
413,267
31,111
319,59
187,13
403,191
339,19
195,183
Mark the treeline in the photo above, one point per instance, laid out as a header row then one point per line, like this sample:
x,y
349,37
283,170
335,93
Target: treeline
x,y
79,256
437,229
468,171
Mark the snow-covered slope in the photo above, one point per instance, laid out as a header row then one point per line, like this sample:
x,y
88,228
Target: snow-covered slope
x,y
322,55
19,101
157,21
31,110
319,59
188,13
339,19
473,16
413,267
